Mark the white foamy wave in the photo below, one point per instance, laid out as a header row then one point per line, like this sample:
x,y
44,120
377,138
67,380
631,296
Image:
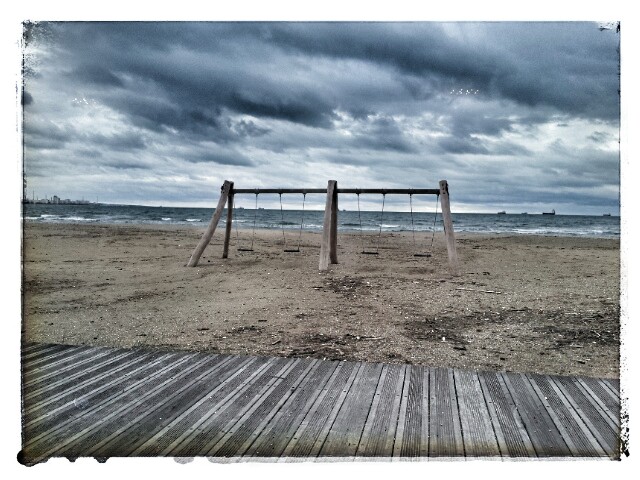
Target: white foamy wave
x,y
192,220
79,219
166,219
312,226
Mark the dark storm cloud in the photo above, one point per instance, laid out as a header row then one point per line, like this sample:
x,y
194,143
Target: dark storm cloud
x,y
396,45
46,135
297,110
41,135
248,129
118,142
383,133
221,155
501,61
599,137
178,63
459,99
510,148
521,62
463,145
95,74
128,165
477,123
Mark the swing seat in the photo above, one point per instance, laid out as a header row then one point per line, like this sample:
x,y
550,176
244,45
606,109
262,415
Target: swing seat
x,y
245,249
284,239
364,252
421,254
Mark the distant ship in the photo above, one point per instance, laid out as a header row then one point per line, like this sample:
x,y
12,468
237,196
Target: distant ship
x,y
606,214
502,213
552,212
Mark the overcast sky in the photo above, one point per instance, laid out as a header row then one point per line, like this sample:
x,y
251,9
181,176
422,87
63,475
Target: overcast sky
x,y
516,116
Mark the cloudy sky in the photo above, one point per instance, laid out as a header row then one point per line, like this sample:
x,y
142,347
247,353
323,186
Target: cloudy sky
x,y
516,116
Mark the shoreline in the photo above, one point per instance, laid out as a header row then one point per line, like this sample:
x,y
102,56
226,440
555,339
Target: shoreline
x,y
546,304
296,229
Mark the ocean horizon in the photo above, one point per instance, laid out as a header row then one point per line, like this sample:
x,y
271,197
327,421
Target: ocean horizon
x,y
368,221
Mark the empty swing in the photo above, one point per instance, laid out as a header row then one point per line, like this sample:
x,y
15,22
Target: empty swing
x,y
413,231
369,252
253,233
284,238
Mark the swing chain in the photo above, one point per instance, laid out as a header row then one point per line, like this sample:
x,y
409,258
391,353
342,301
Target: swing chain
x,y
236,222
433,229
255,214
253,232
360,222
384,195
284,238
413,230
304,198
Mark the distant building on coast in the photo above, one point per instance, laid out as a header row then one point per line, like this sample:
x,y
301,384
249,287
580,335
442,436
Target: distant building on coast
x,y
55,200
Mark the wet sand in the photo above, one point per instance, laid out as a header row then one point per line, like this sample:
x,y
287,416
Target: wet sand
x,y
520,303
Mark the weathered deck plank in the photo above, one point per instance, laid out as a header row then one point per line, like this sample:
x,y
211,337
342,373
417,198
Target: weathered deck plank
x,y
543,432
56,363
103,402
601,429
601,395
45,412
477,431
380,427
245,430
188,421
50,442
613,384
412,440
589,406
202,436
444,419
48,350
272,441
30,347
61,381
92,441
308,439
511,434
571,427
611,390
344,437
149,423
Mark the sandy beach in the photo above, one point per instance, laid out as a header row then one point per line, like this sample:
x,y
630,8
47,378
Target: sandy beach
x,y
521,303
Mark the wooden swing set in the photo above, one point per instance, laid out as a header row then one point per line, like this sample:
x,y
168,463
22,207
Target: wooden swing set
x,y
328,247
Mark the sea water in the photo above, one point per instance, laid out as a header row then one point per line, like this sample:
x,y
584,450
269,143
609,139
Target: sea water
x,y
312,220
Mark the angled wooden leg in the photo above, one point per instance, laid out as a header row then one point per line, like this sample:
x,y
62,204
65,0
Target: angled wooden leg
x,y
208,234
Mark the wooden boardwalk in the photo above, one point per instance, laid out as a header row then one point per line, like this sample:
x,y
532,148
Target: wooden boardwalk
x,y
104,402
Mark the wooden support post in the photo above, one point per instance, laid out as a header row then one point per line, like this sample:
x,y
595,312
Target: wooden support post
x,y
208,234
328,247
448,226
227,232
333,234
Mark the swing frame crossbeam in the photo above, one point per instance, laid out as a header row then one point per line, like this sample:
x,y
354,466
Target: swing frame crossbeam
x,y
328,247
383,191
